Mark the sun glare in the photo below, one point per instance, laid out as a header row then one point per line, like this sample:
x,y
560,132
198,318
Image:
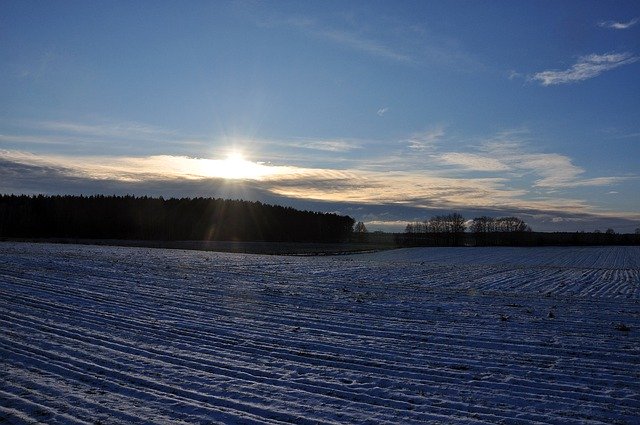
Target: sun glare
x,y
236,167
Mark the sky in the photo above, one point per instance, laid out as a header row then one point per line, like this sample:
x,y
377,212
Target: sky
x,y
388,111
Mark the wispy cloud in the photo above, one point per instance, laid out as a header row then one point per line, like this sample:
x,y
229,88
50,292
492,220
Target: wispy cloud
x,y
408,188
618,25
329,145
38,139
393,40
512,74
40,66
133,138
557,171
587,67
350,39
126,130
472,161
154,167
508,155
358,42
504,171
409,192
425,139
103,135
505,158
630,136
550,171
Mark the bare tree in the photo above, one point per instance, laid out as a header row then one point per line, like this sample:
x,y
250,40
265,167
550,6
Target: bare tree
x,y
447,229
510,224
360,228
481,227
360,231
489,230
482,224
456,223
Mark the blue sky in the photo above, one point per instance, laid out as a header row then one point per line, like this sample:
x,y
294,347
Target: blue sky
x,y
387,111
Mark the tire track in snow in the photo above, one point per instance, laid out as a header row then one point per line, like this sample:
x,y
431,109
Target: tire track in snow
x,y
423,344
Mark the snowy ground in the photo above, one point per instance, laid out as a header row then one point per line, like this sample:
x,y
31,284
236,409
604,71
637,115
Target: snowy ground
x,y
462,335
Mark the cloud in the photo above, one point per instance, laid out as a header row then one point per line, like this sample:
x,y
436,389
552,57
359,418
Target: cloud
x,y
425,139
509,156
389,38
587,67
512,75
322,145
475,162
382,111
40,66
630,136
104,136
357,42
506,158
409,193
618,25
120,130
349,39
504,172
154,167
558,171
331,185
550,170
38,139
137,139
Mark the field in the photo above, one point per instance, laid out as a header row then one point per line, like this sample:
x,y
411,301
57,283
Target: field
x,y
106,335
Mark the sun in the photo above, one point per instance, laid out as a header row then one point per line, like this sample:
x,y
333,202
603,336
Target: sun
x,y
235,167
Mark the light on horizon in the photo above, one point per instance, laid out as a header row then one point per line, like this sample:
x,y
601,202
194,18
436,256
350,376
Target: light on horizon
x,y
235,166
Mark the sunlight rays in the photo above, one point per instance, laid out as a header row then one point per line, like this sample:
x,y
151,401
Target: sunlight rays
x,y
236,167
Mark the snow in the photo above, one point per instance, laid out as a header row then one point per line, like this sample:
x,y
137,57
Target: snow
x,y
423,335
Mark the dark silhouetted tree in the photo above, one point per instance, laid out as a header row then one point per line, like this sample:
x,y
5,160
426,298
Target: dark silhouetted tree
x,y
360,232
446,230
128,217
360,228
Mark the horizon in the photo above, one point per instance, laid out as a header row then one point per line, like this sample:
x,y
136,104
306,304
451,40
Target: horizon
x,y
467,221
386,112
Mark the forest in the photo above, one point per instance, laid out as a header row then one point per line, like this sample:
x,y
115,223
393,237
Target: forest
x,y
145,218
208,219
454,230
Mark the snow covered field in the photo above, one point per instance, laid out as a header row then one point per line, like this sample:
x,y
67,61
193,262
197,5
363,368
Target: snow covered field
x,y
463,335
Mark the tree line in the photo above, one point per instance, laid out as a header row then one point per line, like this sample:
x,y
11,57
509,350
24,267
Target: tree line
x,y
454,230
147,218
441,230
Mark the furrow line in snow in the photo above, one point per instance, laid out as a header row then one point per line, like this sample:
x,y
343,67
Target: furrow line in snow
x,y
253,349
31,411
226,409
466,282
353,398
360,331
367,351
500,385
446,409
379,403
60,396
